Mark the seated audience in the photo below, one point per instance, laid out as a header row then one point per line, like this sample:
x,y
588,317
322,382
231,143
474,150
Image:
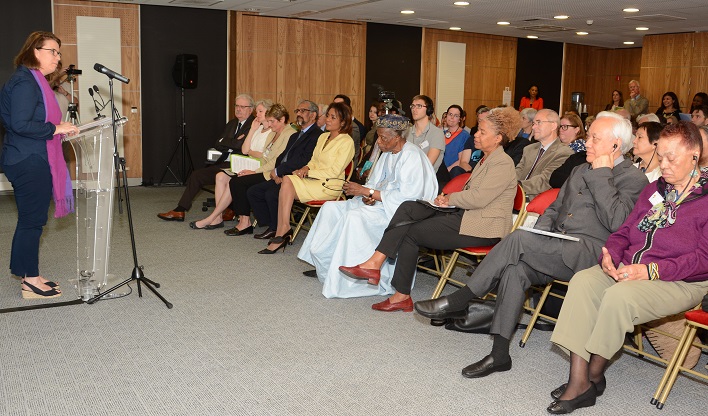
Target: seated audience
x,y
617,101
648,270
423,133
345,232
358,130
260,132
263,197
540,159
571,133
699,99
669,107
645,118
533,100
483,216
645,149
515,147
636,104
455,139
699,114
231,141
232,190
376,110
470,155
592,204
703,160
320,177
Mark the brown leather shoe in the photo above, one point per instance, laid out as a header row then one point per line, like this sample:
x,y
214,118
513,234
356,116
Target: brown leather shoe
x,y
171,216
228,214
356,272
387,306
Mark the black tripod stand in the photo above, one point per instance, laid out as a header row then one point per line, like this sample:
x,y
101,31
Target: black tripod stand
x,y
137,274
187,165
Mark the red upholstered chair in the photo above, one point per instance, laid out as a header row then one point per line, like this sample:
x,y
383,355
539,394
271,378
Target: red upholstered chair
x,y
479,252
695,319
309,209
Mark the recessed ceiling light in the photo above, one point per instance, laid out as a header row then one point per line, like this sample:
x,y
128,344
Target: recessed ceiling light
x,y
581,33
407,12
628,43
455,28
461,3
503,23
532,37
630,10
642,28
561,17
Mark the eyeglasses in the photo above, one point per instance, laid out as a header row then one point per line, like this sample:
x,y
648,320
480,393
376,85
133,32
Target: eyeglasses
x,y
243,107
417,106
54,51
453,116
566,126
538,122
302,110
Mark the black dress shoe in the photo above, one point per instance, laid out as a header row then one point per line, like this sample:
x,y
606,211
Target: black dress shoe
x,y
310,273
587,399
485,367
600,386
266,235
235,231
438,309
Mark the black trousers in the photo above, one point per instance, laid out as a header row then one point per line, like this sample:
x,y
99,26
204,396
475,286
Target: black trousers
x,y
197,179
239,187
413,226
264,201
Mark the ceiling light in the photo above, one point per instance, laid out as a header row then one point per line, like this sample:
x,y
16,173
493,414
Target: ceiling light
x,y
407,12
630,10
628,43
581,33
561,17
642,28
503,23
461,3
455,28
532,37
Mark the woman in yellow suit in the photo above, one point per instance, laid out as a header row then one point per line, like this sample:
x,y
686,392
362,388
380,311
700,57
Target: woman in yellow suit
x,y
334,151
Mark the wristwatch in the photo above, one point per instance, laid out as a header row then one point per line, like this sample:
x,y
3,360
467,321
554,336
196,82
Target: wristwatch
x,y
371,193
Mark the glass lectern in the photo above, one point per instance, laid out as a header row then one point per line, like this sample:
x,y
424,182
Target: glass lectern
x,y
95,183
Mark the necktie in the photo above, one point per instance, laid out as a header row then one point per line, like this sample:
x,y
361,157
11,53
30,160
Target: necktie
x,y
285,158
540,153
238,127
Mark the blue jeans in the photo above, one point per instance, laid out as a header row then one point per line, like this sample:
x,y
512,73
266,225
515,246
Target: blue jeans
x,y
32,184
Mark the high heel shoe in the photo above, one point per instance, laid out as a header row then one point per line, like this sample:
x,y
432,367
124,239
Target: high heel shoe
x,y
282,242
587,399
36,293
276,239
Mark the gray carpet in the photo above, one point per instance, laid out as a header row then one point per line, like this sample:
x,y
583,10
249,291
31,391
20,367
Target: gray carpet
x,y
250,335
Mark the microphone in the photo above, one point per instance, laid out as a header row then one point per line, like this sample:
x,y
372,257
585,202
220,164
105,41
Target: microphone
x,y
110,74
95,104
103,102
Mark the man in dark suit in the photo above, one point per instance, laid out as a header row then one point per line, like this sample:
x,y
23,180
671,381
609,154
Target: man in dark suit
x,y
230,141
264,196
592,204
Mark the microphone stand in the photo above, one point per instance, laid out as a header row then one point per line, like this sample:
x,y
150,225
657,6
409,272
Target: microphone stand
x,y
137,274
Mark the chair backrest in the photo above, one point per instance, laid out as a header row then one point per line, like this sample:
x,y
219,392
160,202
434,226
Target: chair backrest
x,y
520,206
349,170
456,184
542,201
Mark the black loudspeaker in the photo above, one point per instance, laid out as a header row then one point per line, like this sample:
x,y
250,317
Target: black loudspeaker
x,y
185,71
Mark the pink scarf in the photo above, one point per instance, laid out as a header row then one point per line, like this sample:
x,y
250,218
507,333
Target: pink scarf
x,y
61,182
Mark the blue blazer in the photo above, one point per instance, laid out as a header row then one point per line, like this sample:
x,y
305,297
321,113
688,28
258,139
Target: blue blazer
x,y
22,113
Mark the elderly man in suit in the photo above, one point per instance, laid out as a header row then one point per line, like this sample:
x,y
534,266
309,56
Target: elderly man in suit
x,y
230,141
541,159
593,203
636,104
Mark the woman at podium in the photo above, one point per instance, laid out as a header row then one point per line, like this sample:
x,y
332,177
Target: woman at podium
x,y
32,157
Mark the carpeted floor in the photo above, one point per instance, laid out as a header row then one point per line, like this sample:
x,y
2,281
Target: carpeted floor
x,y
250,335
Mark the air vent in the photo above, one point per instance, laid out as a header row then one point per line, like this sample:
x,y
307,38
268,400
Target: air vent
x,y
332,9
656,18
545,28
422,22
200,3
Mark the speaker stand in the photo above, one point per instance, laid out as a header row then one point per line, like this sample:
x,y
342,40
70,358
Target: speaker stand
x,y
185,156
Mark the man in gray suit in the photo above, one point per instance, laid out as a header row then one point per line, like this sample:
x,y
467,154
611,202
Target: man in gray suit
x,y
636,104
592,204
541,159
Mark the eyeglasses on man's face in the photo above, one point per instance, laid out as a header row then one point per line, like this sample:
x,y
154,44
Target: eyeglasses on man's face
x,y
302,110
417,106
54,51
243,107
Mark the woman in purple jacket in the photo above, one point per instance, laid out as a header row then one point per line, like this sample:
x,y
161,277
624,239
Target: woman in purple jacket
x,y
654,266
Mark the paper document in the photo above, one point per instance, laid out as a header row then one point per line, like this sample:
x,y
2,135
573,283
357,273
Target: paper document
x,y
240,162
549,234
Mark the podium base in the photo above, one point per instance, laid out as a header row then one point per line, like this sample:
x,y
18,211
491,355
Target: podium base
x,y
87,288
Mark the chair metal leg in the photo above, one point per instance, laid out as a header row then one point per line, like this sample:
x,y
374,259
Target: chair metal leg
x,y
299,223
449,268
534,317
676,363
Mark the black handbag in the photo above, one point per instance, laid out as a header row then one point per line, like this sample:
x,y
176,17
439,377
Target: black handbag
x,y
478,319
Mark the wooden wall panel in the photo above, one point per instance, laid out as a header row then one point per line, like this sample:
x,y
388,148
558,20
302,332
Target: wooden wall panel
x,y
65,13
490,65
675,62
289,60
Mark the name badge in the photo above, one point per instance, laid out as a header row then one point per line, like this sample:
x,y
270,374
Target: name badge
x,y
656,198
424,144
